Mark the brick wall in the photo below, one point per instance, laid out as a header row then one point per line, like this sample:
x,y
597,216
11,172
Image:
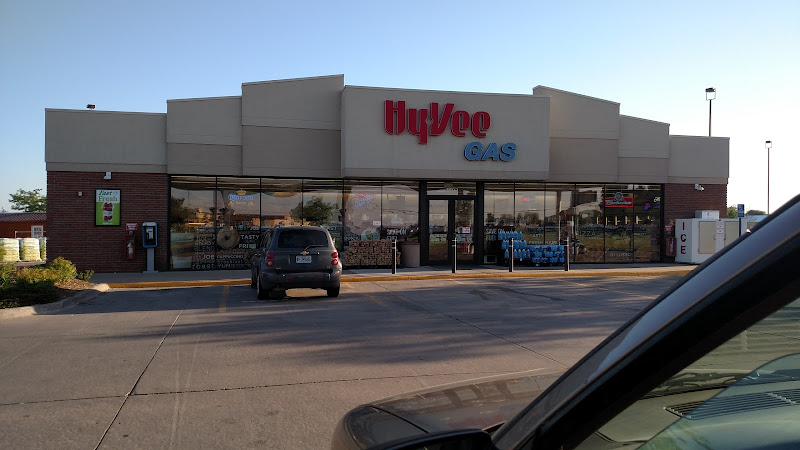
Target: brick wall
x,y
682,200
71,230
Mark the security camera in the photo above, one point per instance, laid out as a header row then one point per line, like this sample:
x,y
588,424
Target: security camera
x,y
699,188
108,176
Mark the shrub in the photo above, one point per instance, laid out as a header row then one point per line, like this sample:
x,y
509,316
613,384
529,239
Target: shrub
x,y
34,275
36,284
62,269
8,274
86,275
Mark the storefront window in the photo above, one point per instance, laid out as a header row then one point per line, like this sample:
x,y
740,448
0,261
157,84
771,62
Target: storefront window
x,y
238,221
215,222
647,223
400,216
618,203
529,200
278,198
322,206
362,209
589,243
557,207
498,207
191,223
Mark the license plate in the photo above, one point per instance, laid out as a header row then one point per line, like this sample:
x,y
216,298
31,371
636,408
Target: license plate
x,y
303,259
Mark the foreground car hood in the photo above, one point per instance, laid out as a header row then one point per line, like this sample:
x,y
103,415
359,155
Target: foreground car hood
x,y
481,403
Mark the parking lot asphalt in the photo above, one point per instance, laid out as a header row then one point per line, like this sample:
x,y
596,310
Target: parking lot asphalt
x,y
178,279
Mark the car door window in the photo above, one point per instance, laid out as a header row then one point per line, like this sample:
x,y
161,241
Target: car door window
x,y
265,241
743,394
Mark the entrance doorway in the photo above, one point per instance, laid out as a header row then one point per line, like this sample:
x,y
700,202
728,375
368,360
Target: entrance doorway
x,y
450,219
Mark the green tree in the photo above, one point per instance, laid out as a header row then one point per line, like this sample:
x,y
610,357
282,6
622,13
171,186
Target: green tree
x,y
313,212
179,214
756,212
29,201
733,212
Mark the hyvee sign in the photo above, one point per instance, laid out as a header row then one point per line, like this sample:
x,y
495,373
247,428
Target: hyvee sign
x,y
425,123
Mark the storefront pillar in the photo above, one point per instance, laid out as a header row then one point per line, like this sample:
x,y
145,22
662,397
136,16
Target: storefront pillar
x,y
424,230
478,237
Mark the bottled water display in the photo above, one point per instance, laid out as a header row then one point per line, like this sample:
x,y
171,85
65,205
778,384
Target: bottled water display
x,y
514,246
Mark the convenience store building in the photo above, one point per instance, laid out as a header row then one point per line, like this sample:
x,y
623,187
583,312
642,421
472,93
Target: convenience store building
x,y
371,163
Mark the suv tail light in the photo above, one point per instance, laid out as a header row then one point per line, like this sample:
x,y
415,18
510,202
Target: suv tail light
x,y
270,262
335,258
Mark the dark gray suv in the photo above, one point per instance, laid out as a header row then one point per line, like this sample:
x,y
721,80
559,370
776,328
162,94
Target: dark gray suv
x,y
295,257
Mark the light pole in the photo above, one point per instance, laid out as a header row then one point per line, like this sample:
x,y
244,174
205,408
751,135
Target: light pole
x,y
768,145
711,94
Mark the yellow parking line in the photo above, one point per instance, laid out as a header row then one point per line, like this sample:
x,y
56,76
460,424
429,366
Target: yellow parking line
x,y
374,299
223,304
368,296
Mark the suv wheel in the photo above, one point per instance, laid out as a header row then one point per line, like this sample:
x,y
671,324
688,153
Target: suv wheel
x,y
261,293
333,292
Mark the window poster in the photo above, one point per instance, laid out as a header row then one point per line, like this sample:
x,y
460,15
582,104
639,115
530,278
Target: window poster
x,y
107,207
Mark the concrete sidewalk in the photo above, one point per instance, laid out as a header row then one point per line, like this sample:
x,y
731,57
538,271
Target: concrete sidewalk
x,y
242,277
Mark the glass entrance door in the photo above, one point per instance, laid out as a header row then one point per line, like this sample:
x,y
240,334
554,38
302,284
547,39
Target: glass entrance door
x,y
447,220
439,226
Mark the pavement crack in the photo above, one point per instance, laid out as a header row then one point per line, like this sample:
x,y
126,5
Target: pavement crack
x,y
261,386
60,400
309,383
133,389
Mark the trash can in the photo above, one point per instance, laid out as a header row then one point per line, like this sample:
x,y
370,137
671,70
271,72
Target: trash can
x,y
409,254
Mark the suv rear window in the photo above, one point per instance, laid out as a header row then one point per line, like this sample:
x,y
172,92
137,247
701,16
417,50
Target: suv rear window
x,y
302,239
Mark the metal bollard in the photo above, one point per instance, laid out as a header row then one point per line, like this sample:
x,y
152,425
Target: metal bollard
x,y
454,255
394,256
511,255
566,256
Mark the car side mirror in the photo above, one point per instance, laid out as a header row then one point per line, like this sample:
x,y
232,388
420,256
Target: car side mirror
x,y
451,440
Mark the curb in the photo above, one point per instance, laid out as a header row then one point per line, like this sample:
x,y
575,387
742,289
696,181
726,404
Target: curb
x,y
679,271
177,284
24,311
549,274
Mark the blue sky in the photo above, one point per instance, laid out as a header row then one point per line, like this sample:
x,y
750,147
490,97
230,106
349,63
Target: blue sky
x,y
654,58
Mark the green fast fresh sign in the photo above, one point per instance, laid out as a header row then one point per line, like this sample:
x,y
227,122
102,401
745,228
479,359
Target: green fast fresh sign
x,y
107,207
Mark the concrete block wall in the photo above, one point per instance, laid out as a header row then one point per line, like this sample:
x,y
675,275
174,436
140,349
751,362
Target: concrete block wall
x,y
71,230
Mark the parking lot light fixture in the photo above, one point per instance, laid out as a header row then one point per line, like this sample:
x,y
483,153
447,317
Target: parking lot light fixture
x,y
768,145
711,94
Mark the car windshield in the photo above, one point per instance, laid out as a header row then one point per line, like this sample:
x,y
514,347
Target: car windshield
x,y
302,239
752,381
758,411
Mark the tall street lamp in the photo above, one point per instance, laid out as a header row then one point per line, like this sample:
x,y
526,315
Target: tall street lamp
x,y
711,94
768,145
